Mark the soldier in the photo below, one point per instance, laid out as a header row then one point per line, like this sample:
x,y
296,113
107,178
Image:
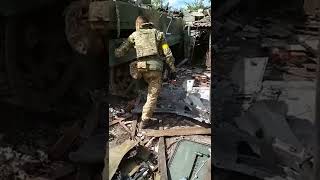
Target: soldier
x,y
150,45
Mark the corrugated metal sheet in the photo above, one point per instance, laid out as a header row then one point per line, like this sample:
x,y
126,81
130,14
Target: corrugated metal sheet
x,y
208,25
205,22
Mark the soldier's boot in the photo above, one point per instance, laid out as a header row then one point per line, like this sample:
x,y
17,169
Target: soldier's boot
x,y
146,123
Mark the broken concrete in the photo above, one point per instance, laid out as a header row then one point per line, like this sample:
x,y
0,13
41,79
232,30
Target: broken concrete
x,y
277,137
270,121
248,73
298,95
227,153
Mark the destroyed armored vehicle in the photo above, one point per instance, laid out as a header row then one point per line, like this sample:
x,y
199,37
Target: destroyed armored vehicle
x,y
53,52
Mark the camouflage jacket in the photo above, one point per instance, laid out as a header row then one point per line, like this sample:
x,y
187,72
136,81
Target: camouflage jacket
x,y
163,48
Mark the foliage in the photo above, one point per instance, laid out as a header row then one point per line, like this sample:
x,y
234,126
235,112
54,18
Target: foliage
x,y
194,6
158,3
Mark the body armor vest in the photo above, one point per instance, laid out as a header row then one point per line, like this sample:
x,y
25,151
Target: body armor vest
x,y
146,46
146,43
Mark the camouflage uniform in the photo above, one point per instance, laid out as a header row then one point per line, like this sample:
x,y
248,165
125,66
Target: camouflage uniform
x,y
150,45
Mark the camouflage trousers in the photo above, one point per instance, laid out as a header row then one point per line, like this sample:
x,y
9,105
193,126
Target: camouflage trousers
x,y
154,81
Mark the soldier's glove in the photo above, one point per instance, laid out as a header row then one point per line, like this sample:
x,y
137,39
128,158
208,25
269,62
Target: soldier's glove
x,y
173,76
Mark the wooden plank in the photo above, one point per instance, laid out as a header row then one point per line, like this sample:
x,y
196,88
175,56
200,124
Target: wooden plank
x,y
148,144
119,120
162,160
134,128
115,122
125,127
179,132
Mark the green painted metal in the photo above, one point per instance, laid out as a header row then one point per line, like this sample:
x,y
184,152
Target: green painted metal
x,y
174,39
120,16
110,12
113,61
127,13
182,161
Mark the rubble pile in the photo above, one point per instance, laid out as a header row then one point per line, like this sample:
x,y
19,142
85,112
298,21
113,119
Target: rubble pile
x,y
198,27
263,65
204,22
194,18
139,156
116,116
24,156
183,115
189,97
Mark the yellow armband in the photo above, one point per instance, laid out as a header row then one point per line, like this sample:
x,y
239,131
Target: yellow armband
x,y
165,46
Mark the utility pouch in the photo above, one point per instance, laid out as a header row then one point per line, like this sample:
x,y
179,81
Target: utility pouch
x,y
142,65
155,65
135,74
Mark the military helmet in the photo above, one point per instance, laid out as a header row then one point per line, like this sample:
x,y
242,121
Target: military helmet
x,y
141,20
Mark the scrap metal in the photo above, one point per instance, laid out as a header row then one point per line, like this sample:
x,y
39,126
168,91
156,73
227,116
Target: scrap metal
x,y
194,155
116,154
